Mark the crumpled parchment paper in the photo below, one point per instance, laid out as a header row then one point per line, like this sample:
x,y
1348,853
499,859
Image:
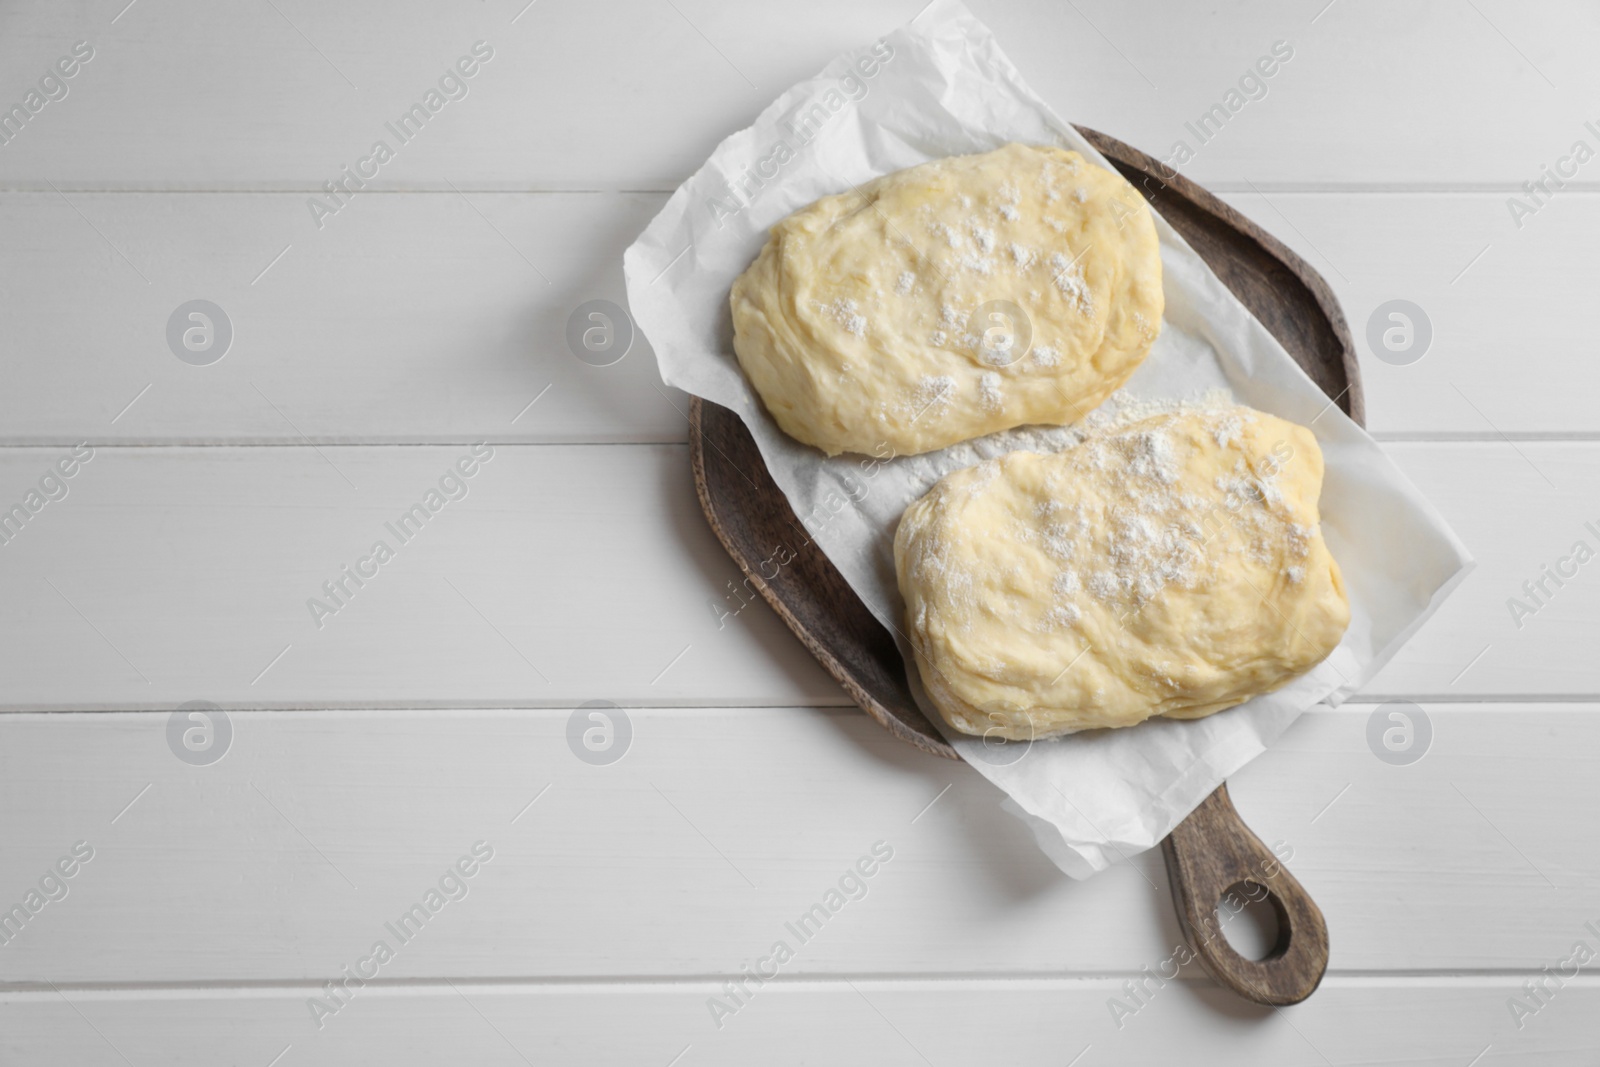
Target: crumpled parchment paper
x,y
941,86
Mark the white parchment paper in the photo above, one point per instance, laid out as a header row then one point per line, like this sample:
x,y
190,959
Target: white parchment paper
x,y
941,86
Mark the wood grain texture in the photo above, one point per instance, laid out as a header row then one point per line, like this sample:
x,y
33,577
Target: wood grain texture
x,y
638,869
756,524
634,95
896,1023
1211,857
437,317
564,574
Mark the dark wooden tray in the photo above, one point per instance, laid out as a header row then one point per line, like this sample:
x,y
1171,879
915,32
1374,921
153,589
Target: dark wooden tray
x,y
1212,850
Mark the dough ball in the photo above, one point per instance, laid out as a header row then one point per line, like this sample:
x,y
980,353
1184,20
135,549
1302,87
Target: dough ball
x,y
1172,566
951,300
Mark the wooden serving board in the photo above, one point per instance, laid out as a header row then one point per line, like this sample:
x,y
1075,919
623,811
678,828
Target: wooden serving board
x,y
1212,850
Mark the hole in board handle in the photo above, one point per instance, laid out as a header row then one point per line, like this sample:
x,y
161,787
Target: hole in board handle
x,y
1253,921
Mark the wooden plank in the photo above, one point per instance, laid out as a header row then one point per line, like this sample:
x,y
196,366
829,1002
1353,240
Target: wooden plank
x,y
1466,263
184,96
1440,1022
288,856
1519,507
565,573
571,573
448,315
408,319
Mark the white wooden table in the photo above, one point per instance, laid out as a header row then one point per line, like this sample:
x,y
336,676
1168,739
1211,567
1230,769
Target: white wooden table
x,y
431,711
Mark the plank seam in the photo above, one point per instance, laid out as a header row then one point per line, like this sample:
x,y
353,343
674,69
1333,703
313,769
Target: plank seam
x,y
666,983
1396,437
291,188
1448,703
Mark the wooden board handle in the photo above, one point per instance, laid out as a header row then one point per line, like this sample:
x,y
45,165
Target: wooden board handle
x,y
1211,852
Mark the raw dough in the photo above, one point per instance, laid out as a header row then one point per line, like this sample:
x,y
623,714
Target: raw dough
x,y
857,322
1172,566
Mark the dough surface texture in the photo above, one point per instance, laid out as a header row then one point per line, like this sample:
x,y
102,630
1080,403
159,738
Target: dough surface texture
x,y
951,300
1170,566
